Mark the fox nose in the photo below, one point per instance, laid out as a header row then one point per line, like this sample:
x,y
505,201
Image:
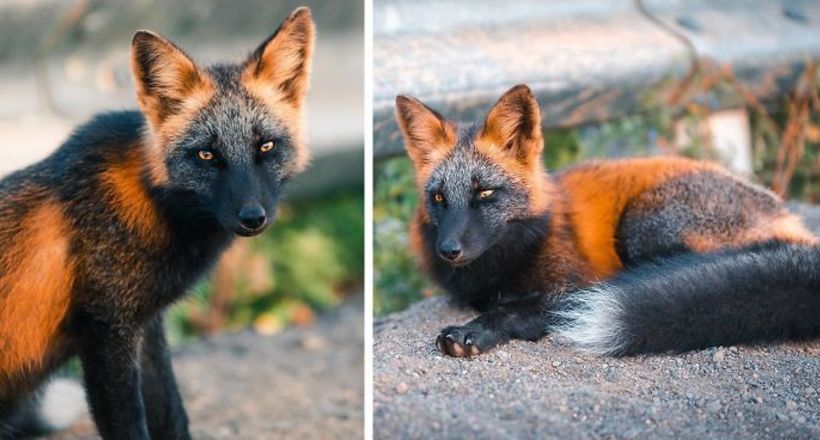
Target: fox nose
x,y
450,250
252,217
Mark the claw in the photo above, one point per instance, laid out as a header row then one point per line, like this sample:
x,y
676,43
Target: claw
x,y
440,345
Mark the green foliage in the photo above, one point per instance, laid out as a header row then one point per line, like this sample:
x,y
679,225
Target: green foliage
x,y
310,258
398,281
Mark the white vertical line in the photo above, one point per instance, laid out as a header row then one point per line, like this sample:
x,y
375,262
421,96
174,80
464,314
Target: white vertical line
x,y
368,222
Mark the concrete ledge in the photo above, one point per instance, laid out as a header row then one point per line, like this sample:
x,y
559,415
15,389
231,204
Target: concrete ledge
x,y
586,61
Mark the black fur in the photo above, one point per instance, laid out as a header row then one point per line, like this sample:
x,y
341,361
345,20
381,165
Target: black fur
x,y
766,292
496,275
121,281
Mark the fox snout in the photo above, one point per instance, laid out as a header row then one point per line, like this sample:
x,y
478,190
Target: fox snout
x,y
450,250
456,244
252,219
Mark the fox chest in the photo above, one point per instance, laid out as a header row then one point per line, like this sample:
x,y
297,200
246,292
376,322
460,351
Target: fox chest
x,y
139,280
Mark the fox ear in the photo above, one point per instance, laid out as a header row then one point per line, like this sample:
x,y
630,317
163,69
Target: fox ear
x,y
163,74
514,124
280,67
427,134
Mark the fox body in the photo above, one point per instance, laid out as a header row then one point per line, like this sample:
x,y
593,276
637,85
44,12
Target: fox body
x,y
97,239
620,256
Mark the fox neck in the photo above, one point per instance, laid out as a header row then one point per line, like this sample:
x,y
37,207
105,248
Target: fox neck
x,y
499,273
536,255
163,216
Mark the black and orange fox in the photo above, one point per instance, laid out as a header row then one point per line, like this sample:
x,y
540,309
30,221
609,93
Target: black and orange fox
x,y
619,256
97,239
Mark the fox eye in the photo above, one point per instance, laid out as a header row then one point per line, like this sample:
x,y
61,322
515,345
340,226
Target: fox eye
x,y
205,155
267,146
485,193
438,197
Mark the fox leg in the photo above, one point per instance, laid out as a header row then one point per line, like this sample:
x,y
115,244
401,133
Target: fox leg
x,y
112,378
523,319
163,404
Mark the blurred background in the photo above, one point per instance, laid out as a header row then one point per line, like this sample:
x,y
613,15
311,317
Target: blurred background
x,y
62,61
735,81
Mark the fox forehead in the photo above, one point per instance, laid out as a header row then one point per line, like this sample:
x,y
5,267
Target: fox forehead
x,y
233,120
464,169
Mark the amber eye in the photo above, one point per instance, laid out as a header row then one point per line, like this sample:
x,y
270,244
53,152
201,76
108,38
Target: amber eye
x,y
205,155
485,193
438,197
267,146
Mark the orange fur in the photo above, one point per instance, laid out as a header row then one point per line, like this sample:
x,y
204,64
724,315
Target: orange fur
x,y
129,197
427,136
35,288
279,76
511,137
587,201
598,194
169,94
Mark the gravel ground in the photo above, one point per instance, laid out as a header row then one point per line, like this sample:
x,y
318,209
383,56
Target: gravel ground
x,y
304,383
547,389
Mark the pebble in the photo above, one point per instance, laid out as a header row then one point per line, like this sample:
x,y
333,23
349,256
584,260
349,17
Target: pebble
x,y
791,405
402,388
713,406
313,342
719,355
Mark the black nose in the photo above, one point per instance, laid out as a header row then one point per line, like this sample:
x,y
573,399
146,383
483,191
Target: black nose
x,y
450,250
252,217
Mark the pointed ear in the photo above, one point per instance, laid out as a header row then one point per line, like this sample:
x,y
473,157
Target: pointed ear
x,y
427,135
280,67
164,75
514,125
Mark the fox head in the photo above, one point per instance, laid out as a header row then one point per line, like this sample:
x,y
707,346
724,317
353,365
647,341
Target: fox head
x,y
475,182
227,136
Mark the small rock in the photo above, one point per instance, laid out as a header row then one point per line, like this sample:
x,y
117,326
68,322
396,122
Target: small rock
x,y
556,364
733,349
791,405
719,356
713,406
402,388
313,342
782,417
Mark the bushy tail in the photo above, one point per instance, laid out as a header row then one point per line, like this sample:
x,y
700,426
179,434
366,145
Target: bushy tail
x,y
760,293
56,407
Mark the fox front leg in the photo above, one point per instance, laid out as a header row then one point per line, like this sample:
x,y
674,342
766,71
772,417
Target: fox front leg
x,y
112,379
520,320
163,404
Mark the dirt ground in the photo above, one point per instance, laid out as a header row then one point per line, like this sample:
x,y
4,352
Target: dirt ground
x,y
305,383
546,389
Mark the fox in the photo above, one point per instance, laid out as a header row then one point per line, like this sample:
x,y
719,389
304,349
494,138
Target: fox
x,y
100,237
616,256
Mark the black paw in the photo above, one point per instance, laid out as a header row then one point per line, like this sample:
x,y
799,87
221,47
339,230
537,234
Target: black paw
x,y
466,341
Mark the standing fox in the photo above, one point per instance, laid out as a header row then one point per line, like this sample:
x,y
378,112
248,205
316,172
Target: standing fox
x,y
100,237
618,256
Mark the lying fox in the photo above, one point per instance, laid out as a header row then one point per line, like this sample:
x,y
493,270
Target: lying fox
x,y
100,237
618,256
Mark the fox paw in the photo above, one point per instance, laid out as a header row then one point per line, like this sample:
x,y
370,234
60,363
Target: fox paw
x,y
465,341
